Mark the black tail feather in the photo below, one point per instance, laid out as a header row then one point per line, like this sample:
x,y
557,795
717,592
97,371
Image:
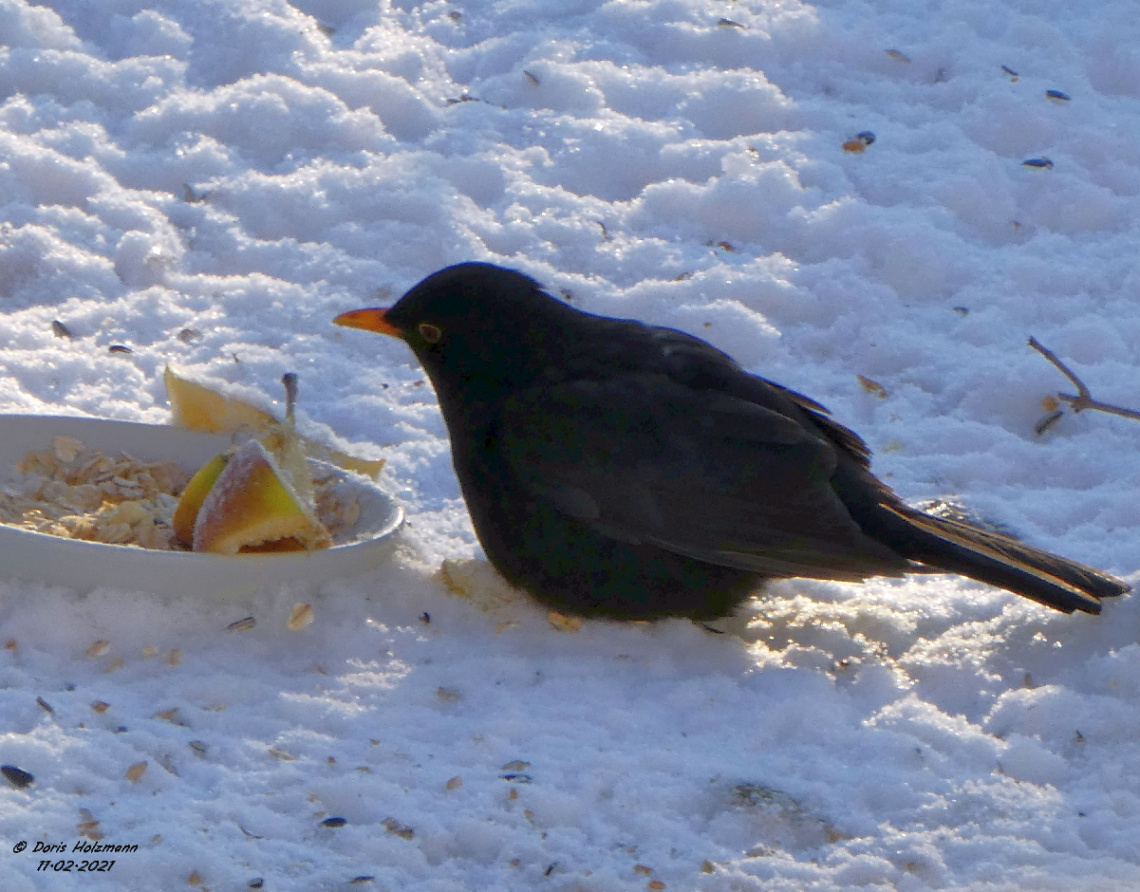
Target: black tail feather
x,y
992,558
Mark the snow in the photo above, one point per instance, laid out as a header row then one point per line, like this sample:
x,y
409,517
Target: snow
x,y
250,168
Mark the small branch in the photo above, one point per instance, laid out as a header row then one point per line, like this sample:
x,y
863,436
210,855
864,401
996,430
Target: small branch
x,y
1083,398
1084,395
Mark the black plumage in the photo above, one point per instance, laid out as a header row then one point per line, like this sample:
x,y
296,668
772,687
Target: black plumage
x,y
618,469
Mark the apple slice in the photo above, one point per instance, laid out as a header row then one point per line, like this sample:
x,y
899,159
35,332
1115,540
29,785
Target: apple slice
x,y
198,407
190,502
251,504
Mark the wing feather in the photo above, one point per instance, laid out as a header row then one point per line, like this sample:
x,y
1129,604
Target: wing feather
x,y
643,458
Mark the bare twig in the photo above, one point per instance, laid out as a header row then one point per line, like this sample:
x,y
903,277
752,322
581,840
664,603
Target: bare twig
x,y
1083,398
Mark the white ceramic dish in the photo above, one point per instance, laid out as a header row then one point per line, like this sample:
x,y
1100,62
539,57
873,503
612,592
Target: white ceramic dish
x,y
85,565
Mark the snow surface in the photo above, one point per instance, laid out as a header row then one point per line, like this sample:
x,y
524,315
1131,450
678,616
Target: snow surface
x,y
247,169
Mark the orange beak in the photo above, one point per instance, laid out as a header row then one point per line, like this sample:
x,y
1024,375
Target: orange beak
x,y
374,319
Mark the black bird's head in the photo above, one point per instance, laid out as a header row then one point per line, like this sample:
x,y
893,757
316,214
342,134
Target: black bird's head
x,y
479,330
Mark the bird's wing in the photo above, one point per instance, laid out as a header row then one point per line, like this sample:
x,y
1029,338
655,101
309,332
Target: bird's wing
x,y
696,363
642,458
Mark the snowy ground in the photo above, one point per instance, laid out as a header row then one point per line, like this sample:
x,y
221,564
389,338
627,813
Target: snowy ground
x,y
249,168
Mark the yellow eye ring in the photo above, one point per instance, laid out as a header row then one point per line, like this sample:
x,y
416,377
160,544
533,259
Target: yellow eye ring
x,y
430,333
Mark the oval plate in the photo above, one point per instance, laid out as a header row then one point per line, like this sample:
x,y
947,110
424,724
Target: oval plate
x,y
85,565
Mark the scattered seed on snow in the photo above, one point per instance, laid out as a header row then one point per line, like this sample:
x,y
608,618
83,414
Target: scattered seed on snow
x,y
17,777
242,625
560,622
873,387
88,826
859,143
135,772
397,829
1048,421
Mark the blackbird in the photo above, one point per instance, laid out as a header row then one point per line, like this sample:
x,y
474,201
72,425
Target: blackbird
x,y
618,469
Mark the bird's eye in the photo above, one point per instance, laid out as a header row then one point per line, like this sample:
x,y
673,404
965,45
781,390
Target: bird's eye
x,y
430,333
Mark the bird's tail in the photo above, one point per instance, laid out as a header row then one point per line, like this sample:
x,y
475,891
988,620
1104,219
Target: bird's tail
x,y
958,547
